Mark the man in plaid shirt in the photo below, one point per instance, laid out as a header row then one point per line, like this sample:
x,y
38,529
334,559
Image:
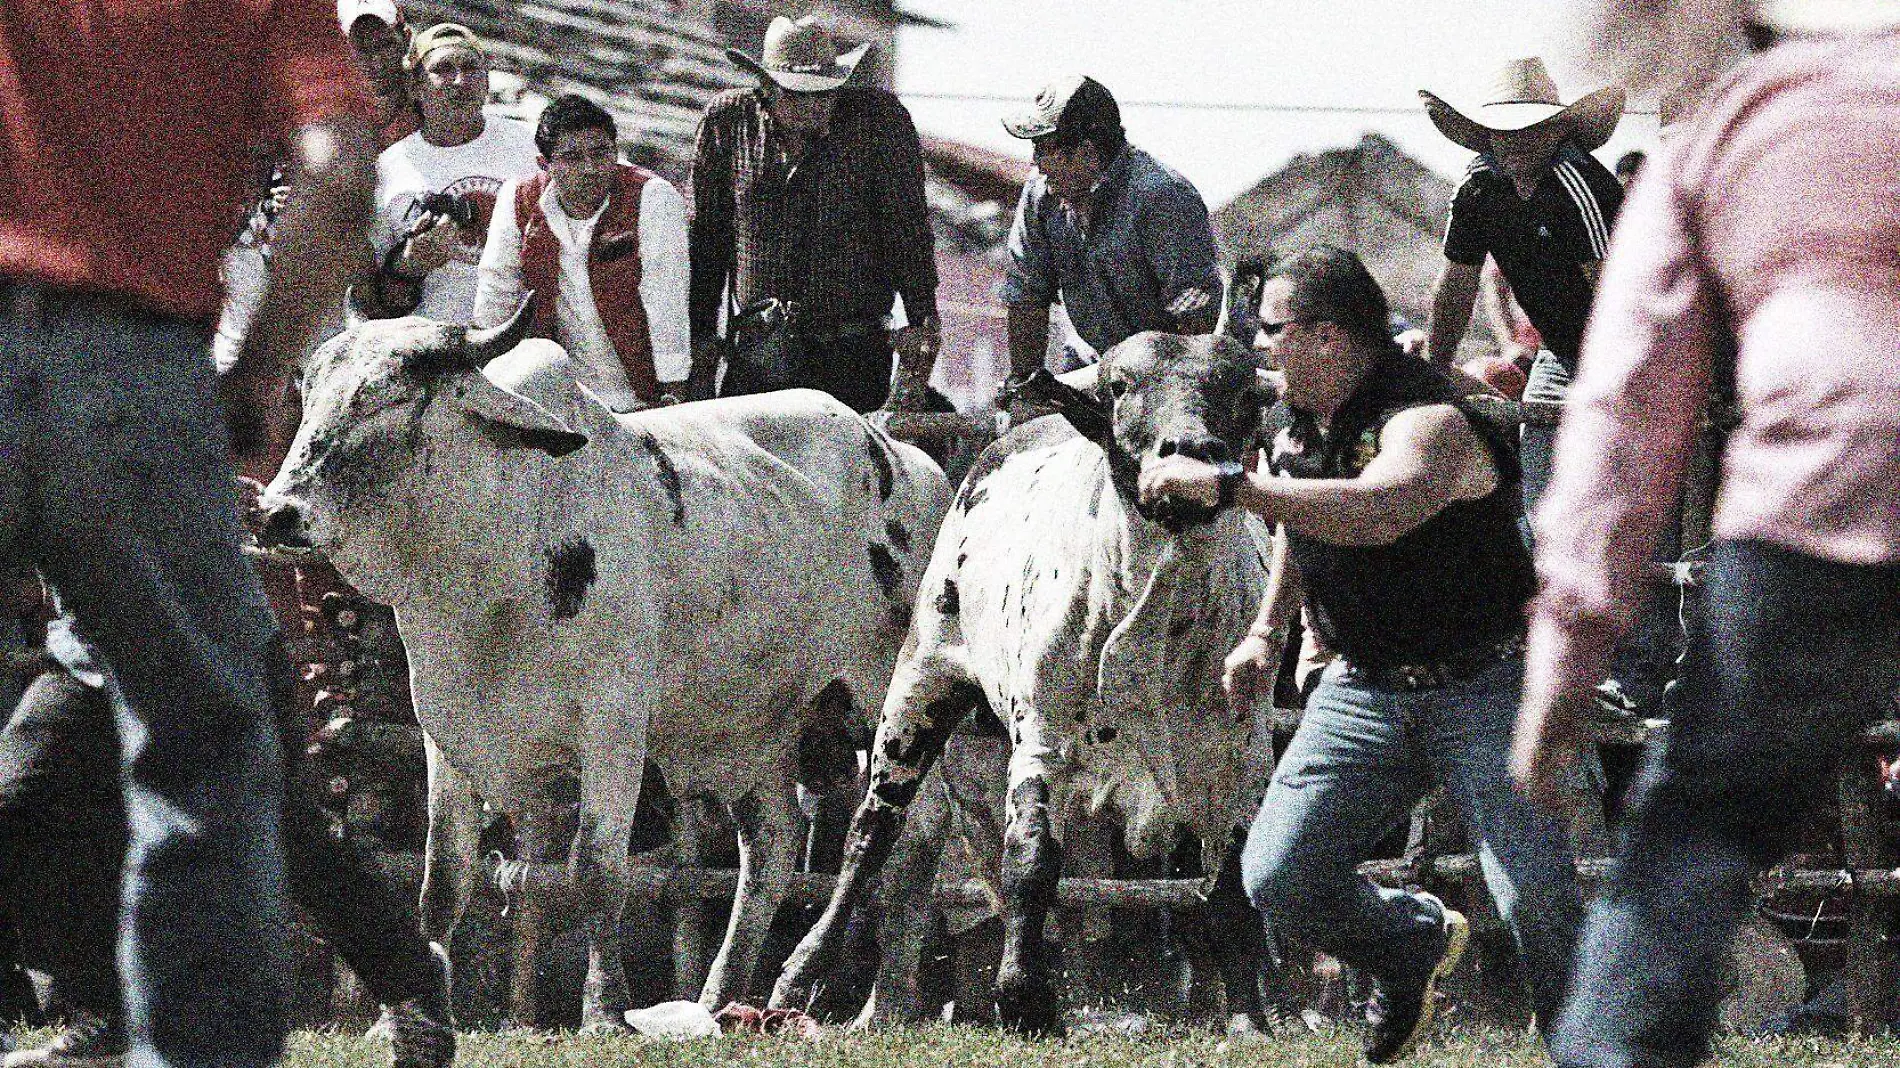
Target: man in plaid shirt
x,y
811,194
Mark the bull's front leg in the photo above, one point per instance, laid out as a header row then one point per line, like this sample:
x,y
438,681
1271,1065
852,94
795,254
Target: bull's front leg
x,y
768,821
926,701
614,757
1237,942
455,834
1032,868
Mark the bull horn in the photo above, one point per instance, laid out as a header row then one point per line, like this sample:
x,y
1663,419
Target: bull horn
x,y
482,344
353,315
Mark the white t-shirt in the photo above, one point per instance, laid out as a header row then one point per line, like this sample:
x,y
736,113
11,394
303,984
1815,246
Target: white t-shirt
x,y
413,168
663,283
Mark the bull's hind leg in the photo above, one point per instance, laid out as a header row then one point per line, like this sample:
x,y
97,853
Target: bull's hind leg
x,y
905,908
1032,867
927,700
768,821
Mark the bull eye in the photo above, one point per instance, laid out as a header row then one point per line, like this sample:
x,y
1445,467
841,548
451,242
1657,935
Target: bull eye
x,y
1117,387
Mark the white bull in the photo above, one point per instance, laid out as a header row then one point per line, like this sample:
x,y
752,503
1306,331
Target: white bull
x,y
1096,634
581,591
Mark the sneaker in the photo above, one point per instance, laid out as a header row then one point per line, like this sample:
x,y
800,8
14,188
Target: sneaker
x,y
88,1042
421,1030
1400,1012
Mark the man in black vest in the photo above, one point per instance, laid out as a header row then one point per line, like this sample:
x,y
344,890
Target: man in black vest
x,y
1397,531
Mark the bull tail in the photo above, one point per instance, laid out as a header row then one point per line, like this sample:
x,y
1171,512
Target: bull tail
x,y
922,710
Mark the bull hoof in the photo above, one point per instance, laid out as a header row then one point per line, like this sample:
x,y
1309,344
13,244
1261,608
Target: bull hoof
x,y
790,993
605,1025
1029,1007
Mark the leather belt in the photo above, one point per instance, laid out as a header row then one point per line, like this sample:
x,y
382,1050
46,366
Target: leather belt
x,y
1437,674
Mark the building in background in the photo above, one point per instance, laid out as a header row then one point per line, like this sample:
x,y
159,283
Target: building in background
x,y
1371,198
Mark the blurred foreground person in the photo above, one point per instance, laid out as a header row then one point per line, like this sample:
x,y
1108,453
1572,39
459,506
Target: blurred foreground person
x,y
115,468
1766,236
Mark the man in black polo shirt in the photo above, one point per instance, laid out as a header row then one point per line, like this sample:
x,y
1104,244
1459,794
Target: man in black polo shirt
x,y
1397,518
1539,204
1536,201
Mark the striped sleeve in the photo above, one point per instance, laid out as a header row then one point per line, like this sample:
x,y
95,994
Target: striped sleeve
x,y
1596,197
1467,239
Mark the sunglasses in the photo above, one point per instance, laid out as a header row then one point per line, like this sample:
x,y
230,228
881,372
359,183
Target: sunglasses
x,y
1274,329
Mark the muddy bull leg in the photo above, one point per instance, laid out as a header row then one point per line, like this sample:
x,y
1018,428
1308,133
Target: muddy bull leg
x,y
922,709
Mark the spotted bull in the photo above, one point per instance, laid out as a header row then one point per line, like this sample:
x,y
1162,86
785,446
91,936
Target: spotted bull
x,y
1096,634
581,592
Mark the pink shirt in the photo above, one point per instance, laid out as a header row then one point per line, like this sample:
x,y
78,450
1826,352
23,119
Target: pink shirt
x,y
1774,214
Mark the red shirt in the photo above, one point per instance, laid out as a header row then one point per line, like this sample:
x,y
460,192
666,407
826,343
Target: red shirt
x,y
126,127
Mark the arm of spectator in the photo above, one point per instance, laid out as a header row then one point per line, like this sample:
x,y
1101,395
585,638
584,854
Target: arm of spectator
x,y
909,249
244,274
1452,298
498,285
711,235
1178,239
1029,285
1629,423
664,282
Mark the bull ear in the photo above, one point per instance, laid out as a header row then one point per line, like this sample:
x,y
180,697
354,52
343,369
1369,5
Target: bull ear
x,y
353,314
514,419
1084,408
481,345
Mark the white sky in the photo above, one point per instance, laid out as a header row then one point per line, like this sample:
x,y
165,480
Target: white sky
x,y
1352,53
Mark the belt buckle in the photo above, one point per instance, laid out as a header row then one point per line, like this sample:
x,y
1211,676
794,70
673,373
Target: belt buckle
x,y
1416,676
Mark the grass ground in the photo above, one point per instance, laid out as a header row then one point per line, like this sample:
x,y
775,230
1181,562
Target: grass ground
x,y
948,1047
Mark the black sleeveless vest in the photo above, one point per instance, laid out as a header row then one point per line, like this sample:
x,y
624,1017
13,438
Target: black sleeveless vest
x,y
1459,581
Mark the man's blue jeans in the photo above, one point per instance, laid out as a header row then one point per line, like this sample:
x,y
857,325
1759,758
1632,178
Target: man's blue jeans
x,y
1362,757
1797,656
116,482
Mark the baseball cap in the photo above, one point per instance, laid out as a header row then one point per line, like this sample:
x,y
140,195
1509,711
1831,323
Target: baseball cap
x,y
1055,99
443,35
348,11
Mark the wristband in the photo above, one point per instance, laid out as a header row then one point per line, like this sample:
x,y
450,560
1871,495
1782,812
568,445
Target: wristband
x,y
1232,475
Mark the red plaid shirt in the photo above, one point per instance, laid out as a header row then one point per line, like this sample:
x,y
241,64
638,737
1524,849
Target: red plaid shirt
x,y
840,233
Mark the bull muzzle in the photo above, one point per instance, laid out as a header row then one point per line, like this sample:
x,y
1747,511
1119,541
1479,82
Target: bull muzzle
x,y
1178,513
282,527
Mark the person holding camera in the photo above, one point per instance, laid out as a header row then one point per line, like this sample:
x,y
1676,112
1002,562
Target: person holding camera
x,y
809,217
604,243
436,188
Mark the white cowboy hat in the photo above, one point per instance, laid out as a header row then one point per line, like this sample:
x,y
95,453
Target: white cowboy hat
x,y
800,57
1523,97
1829,16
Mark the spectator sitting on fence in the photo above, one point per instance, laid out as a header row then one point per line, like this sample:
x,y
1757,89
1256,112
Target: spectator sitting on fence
x,y
1122,241
1541,206
436,188
1765,237
604,245
62,839
1398,530
810,192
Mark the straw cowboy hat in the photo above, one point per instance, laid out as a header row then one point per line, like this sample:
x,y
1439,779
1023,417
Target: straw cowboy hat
x,y
1829,16
800,57
1523,97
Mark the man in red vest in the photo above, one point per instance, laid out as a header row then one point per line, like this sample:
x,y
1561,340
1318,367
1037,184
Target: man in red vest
x,y
604,245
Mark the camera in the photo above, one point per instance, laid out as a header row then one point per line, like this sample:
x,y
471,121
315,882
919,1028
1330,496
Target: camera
x,y
448,206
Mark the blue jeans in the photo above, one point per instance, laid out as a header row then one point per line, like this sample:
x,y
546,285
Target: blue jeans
x,y
1647,658
116,482
1362,757
1796,657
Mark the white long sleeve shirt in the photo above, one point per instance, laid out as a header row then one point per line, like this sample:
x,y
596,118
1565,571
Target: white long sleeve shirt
x,y
664,275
